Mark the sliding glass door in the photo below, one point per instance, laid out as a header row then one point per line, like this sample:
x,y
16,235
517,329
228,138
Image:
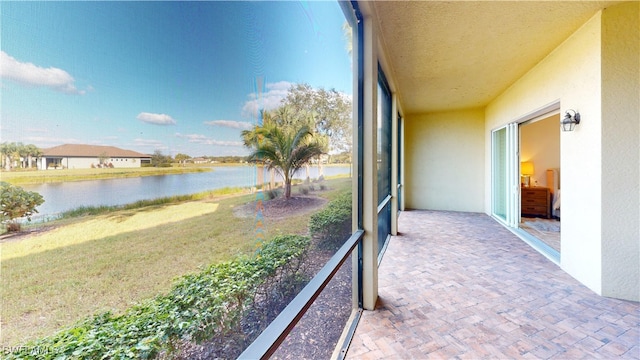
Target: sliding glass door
x,y
505,204
499,173
384,161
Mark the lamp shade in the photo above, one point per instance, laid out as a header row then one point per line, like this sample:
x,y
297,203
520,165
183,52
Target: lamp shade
x,y
526,168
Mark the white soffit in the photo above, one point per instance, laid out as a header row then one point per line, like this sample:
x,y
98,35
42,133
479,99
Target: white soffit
x,y
463,54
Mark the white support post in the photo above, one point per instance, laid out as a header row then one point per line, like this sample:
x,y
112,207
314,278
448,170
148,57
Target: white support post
x,y
394,164
370,168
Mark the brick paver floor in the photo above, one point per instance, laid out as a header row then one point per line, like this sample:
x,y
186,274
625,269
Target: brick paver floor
x,y
459,285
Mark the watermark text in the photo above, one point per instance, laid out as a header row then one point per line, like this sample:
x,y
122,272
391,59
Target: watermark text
x,y
28,350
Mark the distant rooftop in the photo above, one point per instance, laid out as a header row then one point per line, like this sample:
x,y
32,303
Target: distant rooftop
x,y
80,150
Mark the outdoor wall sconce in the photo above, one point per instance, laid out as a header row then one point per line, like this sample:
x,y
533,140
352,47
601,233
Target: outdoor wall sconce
x,y
569,121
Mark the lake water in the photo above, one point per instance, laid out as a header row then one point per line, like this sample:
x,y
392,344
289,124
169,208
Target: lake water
x,y
63,196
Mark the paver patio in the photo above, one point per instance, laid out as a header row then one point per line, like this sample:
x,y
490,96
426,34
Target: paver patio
x,y
460,285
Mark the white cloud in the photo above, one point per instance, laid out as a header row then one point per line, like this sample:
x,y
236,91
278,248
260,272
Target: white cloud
x,y
201,139
196,138
269,100
279,86
223,143
156,119
33,75
156,144
230,124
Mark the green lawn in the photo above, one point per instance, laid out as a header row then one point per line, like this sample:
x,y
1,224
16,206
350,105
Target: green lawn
x,y
110,261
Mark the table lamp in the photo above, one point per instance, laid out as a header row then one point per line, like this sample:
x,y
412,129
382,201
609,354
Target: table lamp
x,y
526,170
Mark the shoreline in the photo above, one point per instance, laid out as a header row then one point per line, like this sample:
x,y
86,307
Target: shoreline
x,y
30,177
33,177
40,220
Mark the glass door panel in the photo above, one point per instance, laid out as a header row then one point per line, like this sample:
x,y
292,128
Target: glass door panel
x,y
505,200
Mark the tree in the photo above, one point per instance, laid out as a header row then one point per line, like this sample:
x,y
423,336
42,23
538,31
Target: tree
x,y
15,203
329,110
103,159
32,151
4,154
23,153
8,151
284,149
160,160
182,158
252,138
11,152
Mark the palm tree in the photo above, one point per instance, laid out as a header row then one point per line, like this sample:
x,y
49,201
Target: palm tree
x,y
33,151
252,138
22,153
4,147
26,153
8,150
284,149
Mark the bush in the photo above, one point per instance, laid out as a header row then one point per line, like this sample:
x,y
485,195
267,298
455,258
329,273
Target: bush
x,y
272,194
333,223
15,202
304,190
202,306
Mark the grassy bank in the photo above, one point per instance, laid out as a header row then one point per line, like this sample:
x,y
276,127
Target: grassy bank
x,y
38,177
102,209
113,260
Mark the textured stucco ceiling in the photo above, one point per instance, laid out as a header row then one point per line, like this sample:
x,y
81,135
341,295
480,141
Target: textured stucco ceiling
x,y
463,54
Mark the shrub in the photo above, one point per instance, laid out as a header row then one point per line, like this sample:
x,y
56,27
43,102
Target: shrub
x,y
304,190
333,223
88,210
272,194
15,202
201,306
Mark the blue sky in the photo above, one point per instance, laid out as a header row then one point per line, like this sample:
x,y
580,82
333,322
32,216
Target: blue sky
x,y
180,77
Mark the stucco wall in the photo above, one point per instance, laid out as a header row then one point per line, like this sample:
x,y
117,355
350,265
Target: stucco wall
x,y
571,73
621,151
444,161
540,144
80,163
86,162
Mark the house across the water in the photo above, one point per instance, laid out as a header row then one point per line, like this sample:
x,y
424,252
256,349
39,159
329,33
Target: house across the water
x,y
199,160
77,156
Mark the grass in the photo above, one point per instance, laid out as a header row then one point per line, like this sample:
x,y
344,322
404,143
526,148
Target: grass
x,y
38,177
113,260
